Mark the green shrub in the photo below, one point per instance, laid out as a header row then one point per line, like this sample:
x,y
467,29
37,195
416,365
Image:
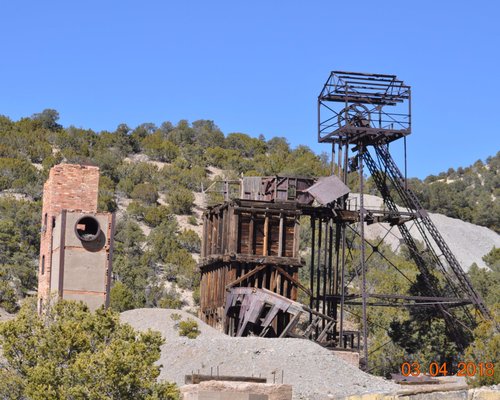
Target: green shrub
x,y
189,240
180,201
192,220
170,299
160,149
196,295
125,186
182,173
71,353
486,349
132,173
189,328
175,317
145,192
106,198
121,297
17,174
137,210
51,160
8,298
181,266
154,215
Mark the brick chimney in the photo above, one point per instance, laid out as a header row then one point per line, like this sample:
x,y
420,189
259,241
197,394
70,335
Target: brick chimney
x,y
72,267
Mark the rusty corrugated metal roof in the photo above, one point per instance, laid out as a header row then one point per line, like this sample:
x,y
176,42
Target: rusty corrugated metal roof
x,y
328,189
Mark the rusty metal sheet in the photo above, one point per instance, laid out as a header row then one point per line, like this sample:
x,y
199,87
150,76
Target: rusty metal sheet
x,y
328,189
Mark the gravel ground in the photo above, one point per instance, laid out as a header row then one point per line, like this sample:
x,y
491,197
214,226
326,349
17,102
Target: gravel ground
x,y
314,372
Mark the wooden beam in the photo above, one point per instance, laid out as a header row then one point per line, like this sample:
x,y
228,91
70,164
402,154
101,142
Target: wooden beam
x,y
280,236
196,378
266,236
233,229
204,237
291,325
225,233
236,238
245,276
296,238
325,331
240,210
251,229
292,279
251,314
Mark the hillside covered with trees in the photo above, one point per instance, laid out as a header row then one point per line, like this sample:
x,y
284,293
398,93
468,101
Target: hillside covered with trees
x,y
155,189
153,176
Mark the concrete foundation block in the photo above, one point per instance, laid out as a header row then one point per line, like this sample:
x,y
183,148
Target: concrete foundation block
x,y
225,390
230,396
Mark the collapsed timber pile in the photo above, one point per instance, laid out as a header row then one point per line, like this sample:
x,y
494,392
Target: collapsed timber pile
x,y
296,361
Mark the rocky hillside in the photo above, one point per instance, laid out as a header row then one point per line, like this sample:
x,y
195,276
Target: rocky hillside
x,y
468,242
154,178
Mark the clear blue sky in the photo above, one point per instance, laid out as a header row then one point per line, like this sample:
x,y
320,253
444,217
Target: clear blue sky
x,y
256,66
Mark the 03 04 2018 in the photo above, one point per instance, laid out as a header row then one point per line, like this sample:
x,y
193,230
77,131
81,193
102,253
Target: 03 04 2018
x,y
436,369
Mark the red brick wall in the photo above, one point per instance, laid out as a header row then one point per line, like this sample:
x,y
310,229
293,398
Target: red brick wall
x,y
69,187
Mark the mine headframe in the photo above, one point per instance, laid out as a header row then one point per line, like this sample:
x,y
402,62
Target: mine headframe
x,y
359,112
354,106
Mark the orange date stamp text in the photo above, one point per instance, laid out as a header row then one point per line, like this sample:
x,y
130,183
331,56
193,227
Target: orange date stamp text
x,y
436,369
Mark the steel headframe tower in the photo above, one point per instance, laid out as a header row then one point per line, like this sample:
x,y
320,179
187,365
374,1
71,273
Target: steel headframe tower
x,y
359,112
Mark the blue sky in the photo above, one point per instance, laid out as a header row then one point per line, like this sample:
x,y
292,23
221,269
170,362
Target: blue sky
x,y
256,66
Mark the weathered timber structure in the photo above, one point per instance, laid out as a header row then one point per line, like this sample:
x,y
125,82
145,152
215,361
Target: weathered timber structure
x,y
266,188
248,243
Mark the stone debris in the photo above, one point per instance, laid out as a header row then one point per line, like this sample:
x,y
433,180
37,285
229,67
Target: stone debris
x,y
314,372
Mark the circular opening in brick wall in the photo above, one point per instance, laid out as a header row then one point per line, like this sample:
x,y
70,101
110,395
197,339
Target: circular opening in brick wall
x,y
87,228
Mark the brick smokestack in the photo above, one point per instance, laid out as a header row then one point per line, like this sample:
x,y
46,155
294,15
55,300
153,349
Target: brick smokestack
x,y
72,188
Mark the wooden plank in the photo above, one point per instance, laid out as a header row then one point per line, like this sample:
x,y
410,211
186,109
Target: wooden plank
x,y
296,238
204,238
244,245
280,236
292,279
312,326
232,246
246,276
196,378
265,278
251,249
266,236
208,247
224,232
269,318
324,332
240,210
289,239
257,259
251,314
217,290
291,325
285,287
236,239
278,284
213,244
220,232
